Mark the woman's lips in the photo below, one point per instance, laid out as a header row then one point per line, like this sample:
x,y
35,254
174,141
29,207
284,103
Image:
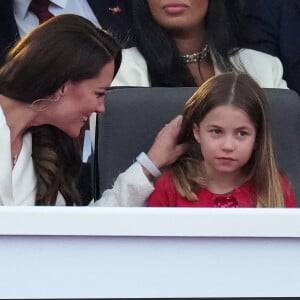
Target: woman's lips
x,y
174,8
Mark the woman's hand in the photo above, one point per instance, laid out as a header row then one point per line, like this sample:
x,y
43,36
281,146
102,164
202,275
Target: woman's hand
x,y
165,150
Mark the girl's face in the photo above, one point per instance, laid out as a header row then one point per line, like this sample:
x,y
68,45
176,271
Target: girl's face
x,y
178,15
79,100
227,139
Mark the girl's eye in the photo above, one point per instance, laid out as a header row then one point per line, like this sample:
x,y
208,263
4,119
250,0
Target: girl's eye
x,y
216,131
243,133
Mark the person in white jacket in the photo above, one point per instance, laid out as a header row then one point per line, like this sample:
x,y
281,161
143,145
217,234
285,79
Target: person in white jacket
x,y
187,42
184,43
51,82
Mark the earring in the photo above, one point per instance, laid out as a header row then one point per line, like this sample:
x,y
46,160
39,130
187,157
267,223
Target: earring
x,y
57,98
43,103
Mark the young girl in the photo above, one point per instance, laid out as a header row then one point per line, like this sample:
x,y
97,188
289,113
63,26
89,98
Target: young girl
x,y
230,162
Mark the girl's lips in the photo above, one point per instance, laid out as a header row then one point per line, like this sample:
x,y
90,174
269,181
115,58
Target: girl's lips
x,y
175,8
225,159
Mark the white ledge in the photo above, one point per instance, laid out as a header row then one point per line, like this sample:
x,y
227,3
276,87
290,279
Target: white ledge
x,y
145,221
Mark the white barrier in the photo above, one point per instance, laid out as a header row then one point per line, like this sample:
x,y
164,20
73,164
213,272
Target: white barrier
x,y
89,252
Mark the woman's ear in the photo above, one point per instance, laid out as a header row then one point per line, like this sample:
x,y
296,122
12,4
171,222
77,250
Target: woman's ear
x,y
196,132
61,91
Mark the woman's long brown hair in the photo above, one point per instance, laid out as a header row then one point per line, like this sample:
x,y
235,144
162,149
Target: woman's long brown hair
x,y
65,48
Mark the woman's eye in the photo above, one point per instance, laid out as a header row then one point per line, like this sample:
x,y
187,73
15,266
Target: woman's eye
x,y
101,94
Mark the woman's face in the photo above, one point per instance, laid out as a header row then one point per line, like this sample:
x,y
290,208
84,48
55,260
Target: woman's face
x,y
79,100
178,15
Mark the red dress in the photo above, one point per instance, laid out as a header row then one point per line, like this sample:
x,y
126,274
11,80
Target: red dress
x,y
165,195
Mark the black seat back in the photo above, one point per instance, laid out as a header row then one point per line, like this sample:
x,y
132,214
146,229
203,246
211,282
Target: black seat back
x,y
134,116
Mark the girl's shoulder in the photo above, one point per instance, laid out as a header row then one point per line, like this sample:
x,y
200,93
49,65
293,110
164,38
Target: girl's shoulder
x,y
166,177
166,182
287,190
284,181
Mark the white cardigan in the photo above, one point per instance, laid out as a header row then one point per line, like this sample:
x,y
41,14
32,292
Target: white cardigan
x,y
18,185
265,69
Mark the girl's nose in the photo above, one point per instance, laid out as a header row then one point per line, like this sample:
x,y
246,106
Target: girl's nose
x,y
228,144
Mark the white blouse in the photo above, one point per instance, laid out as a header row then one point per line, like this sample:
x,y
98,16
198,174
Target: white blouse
x,y
18,185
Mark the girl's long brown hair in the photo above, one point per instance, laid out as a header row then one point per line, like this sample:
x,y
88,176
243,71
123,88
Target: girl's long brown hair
x,y
242,91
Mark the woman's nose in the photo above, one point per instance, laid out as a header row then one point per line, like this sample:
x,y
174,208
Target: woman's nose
x,y
100,107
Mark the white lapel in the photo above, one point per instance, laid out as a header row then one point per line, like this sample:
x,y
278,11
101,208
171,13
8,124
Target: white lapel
x,y
6,197
17,186
23,175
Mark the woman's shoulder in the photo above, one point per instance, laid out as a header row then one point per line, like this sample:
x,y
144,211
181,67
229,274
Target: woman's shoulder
x,y
266,69
2,117
246,53
133,70
132,53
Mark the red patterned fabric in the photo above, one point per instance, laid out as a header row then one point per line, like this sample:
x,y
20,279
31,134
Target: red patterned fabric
x,y
166,195
226,201
40,8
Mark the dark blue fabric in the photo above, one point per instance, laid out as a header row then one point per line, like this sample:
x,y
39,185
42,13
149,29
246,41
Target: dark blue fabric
x,y
133,117
273,26
118,24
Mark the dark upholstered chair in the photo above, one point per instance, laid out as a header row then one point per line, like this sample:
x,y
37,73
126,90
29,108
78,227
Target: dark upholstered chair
x,y
134,116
